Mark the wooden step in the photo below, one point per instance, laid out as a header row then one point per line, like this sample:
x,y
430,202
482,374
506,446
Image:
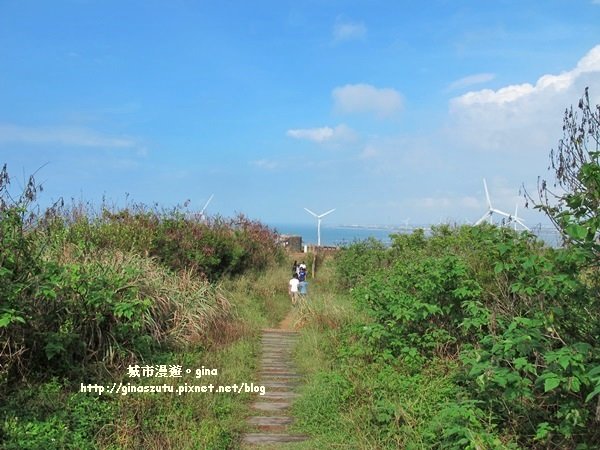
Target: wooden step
x,y
266,371
270,423
277,374
277,377
280,395
272,438
271,405
280,331
279,384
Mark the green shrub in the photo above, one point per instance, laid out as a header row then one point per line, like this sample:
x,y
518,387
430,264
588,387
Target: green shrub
x,y
523,318
355,262
46,416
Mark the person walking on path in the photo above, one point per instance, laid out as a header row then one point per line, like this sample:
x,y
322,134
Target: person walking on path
x,y
302,275
303,289
293,288
302,267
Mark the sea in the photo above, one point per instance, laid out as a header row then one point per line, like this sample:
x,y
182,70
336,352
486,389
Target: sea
x,y
341,235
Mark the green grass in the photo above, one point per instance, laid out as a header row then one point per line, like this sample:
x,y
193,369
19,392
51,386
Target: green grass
x,y
55,415
192,420
260,300
211,421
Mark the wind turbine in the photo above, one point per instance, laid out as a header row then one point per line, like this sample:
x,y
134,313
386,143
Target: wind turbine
x,y
205,205
319,217
491,210
517,220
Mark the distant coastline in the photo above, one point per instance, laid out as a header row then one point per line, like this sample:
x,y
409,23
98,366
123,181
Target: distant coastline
x,y
338,235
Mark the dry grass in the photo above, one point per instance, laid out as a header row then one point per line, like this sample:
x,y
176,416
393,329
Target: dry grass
x,y
184,311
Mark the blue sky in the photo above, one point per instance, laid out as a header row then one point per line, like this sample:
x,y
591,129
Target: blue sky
x,y
384,110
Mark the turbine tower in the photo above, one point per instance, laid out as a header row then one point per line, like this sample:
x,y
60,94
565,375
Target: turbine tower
x,y
491,210
319,217
517,220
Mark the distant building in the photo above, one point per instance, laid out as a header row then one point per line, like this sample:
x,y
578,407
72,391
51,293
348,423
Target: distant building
x,y
320,249
291,243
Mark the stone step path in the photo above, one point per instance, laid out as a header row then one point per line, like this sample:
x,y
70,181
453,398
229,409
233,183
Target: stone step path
x,y
279,378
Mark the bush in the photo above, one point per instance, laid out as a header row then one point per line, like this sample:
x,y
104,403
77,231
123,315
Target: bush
x,y
522,318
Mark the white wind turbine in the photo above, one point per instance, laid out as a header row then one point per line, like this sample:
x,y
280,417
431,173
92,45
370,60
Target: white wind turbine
x,y
515,219
491,210
319,217
205,206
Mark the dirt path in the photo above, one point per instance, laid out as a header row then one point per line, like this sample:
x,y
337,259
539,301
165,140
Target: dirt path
x,y
287,323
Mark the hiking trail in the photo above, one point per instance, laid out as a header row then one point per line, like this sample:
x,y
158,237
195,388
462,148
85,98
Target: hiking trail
x,y
279,377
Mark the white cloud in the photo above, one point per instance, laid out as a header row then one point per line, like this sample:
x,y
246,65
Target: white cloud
x,y
546,84
522,119
67,136
471,80
323,134
345,31
312,134
364,98
265,164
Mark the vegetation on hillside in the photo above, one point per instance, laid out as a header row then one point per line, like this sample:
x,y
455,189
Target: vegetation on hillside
x,y
84,294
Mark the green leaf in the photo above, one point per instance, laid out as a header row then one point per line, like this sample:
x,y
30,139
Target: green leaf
x,y
53,349
564,361
9,317
4,320
592,394
529,262
574,384
576,231
520,363
498,267
551,383
595,372
542,431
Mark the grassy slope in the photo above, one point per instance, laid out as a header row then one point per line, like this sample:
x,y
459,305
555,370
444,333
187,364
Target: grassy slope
x,y
54,415
210,421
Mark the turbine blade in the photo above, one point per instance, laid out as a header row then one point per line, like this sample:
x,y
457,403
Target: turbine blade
x,y
487,194
485,216
522,224
206,204
310,212
328,212
502,213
